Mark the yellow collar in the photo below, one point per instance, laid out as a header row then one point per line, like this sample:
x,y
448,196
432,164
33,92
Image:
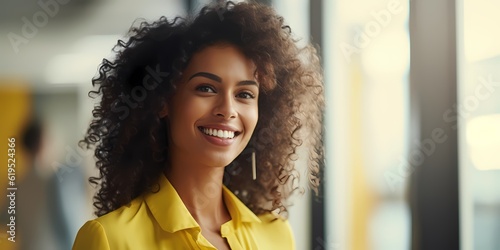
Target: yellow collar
x,y
172,215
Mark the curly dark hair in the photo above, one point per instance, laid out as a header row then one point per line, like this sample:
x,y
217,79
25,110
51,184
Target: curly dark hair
x,y
131,140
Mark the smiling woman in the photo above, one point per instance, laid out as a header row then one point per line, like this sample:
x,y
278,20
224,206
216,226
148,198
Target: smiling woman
x,y
217,98
233,98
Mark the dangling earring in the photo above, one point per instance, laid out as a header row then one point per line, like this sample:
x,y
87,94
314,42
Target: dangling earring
x,y
254,167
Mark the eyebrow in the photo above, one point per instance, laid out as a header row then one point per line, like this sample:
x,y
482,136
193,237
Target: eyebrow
x,y
219,79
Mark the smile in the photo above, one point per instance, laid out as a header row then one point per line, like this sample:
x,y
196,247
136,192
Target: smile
x,y
220,133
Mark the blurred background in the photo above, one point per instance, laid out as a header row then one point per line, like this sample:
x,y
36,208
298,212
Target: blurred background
x,y
412,119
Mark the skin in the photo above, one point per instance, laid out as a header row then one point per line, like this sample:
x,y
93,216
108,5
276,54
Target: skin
x,y
218,88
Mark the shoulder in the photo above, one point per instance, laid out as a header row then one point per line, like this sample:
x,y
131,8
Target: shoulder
x,y
274,232
110,229
91,236
126,215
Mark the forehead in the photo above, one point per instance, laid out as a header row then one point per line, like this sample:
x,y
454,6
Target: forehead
x,y
224,60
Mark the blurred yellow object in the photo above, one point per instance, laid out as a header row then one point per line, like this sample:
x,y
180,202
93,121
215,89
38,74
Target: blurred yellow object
x,y
15,108
362,198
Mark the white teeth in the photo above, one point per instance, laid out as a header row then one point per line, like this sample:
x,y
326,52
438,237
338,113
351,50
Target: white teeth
x,y
226,134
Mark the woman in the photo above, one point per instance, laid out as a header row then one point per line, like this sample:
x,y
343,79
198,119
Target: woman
x,y
198,130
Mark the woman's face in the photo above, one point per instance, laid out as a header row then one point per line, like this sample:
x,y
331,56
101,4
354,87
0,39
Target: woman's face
x,y
215,109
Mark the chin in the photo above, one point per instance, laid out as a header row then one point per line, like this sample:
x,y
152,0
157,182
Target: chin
x,y
219,160
222,163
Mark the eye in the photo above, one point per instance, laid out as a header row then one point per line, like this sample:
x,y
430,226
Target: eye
x,y
246,95
205,88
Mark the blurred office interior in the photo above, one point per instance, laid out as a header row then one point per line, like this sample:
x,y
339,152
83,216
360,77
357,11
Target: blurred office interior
x,y
412,119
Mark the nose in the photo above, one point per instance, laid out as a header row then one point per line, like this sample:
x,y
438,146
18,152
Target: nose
x,y
225,107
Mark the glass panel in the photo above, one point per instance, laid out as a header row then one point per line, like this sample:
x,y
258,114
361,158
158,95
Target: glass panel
x,y
479,118
366,71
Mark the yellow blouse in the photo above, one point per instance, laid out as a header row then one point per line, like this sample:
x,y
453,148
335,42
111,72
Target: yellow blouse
x,y
150,222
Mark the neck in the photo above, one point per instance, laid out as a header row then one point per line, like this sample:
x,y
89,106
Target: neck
x,y
200,189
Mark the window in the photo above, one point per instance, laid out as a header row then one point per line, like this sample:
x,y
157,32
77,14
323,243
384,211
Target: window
x,y
478,113
367,58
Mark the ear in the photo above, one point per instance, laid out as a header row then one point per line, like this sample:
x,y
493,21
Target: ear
x,y
164,111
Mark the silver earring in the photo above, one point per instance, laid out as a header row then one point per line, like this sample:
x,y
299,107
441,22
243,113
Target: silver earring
x,y
254,167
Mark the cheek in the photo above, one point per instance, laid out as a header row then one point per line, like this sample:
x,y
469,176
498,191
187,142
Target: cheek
x,y
194,110
191,108
185,115
252,118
